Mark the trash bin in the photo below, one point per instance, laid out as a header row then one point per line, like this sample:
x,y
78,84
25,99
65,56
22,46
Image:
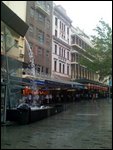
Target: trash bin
x,y
24,113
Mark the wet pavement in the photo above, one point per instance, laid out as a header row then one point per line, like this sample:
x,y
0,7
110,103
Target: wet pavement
x,y
84,125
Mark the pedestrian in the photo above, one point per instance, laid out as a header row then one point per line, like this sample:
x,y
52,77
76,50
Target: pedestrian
x,y
50,97
93,97
47,99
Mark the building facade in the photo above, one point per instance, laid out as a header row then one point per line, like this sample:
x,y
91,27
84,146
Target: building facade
x,y
79,43
39,35
38,15
61,44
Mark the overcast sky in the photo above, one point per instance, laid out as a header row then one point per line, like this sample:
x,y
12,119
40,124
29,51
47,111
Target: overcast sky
x,y
86,14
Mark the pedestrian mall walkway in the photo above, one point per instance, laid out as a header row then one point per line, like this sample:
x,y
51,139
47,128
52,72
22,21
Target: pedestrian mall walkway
x,y
83,125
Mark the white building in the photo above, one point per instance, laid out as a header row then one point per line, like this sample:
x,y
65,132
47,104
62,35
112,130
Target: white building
x,y
79,43
61,44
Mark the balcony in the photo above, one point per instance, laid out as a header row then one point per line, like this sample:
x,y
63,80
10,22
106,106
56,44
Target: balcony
x,y
41,8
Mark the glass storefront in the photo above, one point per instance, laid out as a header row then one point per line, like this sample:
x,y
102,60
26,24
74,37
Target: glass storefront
x,y
11,69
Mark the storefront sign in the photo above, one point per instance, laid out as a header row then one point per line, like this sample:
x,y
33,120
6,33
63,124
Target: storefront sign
x,y
28,91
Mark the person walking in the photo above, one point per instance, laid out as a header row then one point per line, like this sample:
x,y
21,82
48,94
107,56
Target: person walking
x,y
94,97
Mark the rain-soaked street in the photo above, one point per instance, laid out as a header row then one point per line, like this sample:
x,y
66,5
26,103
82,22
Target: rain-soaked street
x,y
84,125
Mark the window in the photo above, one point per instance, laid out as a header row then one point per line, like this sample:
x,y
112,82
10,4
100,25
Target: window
x,y
55,65
16,43
47,70
64,52
77,70
41,17
67,69
38,68
32,12
60,67
80,42
48,39
42,69
63,68
55,49
77,57
42,3
67,30
59,51
39,50
73,40
68,55
60,24
31,28
56,33
48,8
56,21
64,28
40,36
47,54
77,40
48,24
68,41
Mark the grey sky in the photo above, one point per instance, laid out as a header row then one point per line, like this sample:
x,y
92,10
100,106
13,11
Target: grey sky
x,y
86,14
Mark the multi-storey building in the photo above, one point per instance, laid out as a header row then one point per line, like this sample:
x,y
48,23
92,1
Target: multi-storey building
x,y
61,44
38,15
39,35
79,43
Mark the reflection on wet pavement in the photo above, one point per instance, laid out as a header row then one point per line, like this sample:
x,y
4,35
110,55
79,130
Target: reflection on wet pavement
x,y
83,125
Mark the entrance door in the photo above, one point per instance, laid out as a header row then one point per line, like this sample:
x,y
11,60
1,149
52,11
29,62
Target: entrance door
x,y
3,88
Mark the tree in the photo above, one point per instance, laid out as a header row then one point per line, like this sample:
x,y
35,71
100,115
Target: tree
x,y
101,53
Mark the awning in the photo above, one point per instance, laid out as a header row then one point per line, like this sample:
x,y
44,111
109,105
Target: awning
x,y
63,84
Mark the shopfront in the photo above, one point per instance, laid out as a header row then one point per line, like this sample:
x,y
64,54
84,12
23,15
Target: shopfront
x,y
13,29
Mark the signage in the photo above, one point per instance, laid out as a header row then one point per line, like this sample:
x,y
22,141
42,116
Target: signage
x,y
28,91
